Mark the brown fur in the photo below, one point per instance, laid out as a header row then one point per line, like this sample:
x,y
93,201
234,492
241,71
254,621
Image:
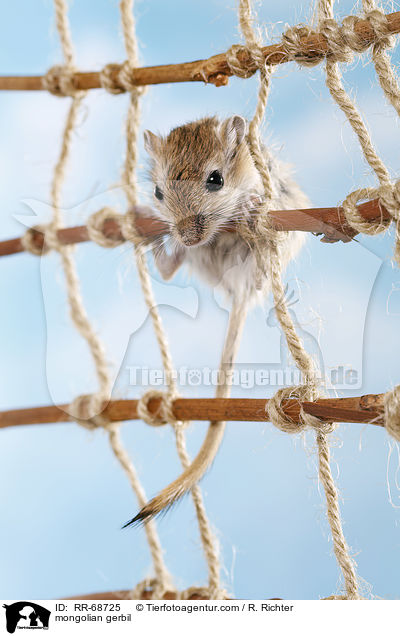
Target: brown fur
x,y
181,163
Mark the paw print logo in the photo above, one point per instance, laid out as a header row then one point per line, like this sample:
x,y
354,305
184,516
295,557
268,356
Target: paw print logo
x,y
194,377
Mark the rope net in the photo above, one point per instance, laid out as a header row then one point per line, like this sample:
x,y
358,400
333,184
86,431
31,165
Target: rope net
x,y
266,242
87,409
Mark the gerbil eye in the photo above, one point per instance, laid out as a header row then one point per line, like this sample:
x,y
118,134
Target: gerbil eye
x,y
215,181
158,194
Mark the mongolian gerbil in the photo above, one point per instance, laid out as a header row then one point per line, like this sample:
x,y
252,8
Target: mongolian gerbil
x,y
204,180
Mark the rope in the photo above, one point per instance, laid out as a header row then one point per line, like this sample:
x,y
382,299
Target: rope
x,y
343,41
129,231
95,227
87,409
392,412
273,266
28,241
59,80
164,413
387,192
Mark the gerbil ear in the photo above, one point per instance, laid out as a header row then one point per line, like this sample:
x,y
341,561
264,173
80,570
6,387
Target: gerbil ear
x,y
151,142
233,131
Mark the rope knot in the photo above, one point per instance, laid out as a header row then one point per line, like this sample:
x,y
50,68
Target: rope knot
x,y
276,413
390,197
119,78
87,410
350,37
60,81
109,79
164,413
95,227
153,589
244,61
354,218
294,47
125,76
389,194
391,406
340,49
379,25
31,243
128,227
302,393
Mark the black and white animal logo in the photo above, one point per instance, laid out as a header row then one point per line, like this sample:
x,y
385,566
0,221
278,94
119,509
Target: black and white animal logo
x,y
26,615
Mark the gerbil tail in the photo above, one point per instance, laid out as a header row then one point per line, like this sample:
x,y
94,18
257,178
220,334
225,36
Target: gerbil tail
x,y
209,448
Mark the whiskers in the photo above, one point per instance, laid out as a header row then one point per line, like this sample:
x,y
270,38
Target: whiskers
x,y
164,243
228,214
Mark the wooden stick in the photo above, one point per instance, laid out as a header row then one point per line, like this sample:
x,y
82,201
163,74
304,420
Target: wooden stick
x,y
328,221
365,409
214,70
124,595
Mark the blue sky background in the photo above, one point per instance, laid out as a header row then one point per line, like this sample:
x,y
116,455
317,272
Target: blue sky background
x,y
63,496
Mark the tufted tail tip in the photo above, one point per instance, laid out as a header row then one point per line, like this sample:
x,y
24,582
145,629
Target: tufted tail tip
x,y
142,517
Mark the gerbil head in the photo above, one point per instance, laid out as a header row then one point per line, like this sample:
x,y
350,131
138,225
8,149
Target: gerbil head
x,y
204,177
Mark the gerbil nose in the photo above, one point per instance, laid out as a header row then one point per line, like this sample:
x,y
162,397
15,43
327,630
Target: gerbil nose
x,y
191,229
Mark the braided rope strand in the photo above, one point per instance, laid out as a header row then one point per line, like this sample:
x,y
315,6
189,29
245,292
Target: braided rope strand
x,y
132,125
303,360
388,192
95,403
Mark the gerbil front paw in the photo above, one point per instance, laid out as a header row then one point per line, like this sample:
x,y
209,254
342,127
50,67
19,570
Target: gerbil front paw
x,y
167,264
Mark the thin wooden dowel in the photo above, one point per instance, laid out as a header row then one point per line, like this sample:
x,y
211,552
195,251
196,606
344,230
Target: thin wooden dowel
x,y
365,409
214,70
124,595
328,221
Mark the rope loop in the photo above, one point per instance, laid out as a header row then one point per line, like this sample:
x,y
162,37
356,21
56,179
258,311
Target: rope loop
x,y
125,76
244,68
128,227
29,241
350,38
292,42
152,587
320,426
52,240
354,218
342,39
87,409
276,413
125,79
378,22
95,227
163,415
340,49
389,196
392,412
109,79
60,81
118,78
302,393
